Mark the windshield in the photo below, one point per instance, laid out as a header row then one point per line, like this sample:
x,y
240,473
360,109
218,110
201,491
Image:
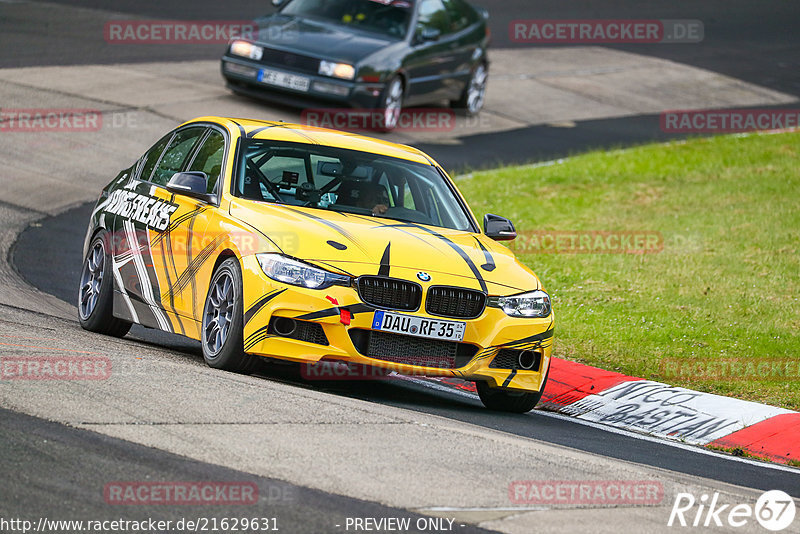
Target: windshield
x,y
387,17
347,181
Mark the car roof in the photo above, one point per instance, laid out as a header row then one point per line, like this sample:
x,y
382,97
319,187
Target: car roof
x,y
300,133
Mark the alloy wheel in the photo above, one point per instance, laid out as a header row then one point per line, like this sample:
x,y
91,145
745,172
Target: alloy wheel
x,y
219,313
91,279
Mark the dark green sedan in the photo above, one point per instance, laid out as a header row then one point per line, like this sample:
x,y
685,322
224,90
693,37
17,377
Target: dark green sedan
x,y
374,54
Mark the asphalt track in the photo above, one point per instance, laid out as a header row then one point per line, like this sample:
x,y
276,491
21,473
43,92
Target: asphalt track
x,y
755,42
48,255
72,464
54,245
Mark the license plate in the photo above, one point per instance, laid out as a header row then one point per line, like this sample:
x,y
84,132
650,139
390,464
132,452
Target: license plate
x,y
284,79
418,326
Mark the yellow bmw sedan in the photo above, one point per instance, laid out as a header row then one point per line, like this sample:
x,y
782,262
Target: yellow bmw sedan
x,y
280,241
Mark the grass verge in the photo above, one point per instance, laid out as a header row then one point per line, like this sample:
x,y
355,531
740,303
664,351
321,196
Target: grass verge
x,y
717,308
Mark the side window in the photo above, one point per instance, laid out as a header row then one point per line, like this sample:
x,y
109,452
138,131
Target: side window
x,y
460,14
432,14
408,197
175,156
209,158
151,158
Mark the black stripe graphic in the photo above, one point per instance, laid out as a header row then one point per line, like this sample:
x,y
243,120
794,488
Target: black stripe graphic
x,y
167,251
256,337
460,252
532,339
510,378
399,227
384,270
189,256
196,263
173,224
489,265
329,224
255,308
395,226
335,268
321,314
253,133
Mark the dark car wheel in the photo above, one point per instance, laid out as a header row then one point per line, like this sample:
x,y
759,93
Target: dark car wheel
x,y
222,335
96,292
474,95
509,400
391,103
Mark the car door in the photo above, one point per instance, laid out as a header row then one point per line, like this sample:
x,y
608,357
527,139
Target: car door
x,y
202,242
465,38
430,62
153,235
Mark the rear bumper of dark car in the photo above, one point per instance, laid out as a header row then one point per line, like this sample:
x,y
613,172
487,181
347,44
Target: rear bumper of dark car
x,y
243,76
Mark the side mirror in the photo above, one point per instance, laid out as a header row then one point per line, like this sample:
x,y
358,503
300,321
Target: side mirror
x,y
278,3
498,228
191,184
428,35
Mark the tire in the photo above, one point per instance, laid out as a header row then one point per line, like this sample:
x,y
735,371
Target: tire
x,y
222,337
96,292
474,94
507,400
391,103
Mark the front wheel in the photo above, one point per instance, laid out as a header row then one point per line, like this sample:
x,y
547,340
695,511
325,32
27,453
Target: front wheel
x,y
509,400
391,103
474,95
222,335
96,292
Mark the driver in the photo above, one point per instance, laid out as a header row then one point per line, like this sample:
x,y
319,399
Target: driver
x,y
374,199
365,195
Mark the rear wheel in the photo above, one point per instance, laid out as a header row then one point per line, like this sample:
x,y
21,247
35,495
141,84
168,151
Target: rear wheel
x,y
222,335
509,400
96,292
474,95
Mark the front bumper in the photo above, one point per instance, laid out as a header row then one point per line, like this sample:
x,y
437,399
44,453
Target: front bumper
x,y
487,335
243,75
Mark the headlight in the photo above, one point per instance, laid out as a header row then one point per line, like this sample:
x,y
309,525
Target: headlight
x,y
245,49
337,70
533,304
296,273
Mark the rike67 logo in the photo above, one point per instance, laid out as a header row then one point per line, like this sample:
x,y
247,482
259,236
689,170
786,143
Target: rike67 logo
x,y
774,510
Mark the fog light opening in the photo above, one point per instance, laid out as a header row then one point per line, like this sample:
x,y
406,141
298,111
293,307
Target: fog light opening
x,y
527,359
284,326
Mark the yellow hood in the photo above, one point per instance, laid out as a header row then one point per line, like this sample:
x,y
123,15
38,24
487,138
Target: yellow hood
x,y
360,245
